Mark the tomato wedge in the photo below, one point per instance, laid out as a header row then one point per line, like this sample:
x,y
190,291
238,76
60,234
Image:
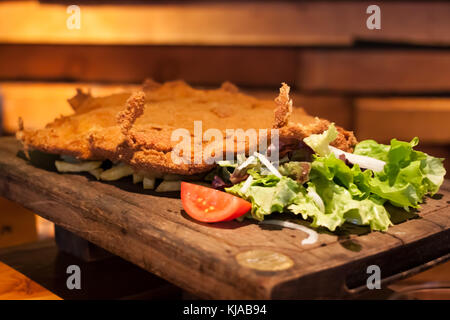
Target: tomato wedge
x,y
210,205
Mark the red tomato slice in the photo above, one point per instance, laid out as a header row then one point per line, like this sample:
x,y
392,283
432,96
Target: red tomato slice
x,y
210,205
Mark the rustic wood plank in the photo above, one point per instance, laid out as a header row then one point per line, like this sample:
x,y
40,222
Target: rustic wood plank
x,y
439,274
310,70
220,23
374,71
16,286
403,118
438,201
145,244
151,231
416,229
183,23
439,212
440,218
246,66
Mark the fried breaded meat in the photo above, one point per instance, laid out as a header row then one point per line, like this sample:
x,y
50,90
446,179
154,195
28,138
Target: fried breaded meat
x,y
137,127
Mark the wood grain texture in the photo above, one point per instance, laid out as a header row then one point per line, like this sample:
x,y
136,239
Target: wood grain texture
x,y
245,66
436,275
403,118
376,71
153,232
282,23
321,70
16,286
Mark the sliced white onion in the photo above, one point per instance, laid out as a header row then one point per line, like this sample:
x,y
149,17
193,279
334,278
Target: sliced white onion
x,y
267,163
363,161
317,199
246,162
312,235
246,184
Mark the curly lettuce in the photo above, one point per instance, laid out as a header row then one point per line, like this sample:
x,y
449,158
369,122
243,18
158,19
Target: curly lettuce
x,y
331,191
346,196
408,174
320,142
268,194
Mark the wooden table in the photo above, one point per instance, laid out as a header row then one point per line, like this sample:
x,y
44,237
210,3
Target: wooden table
x,y
228,260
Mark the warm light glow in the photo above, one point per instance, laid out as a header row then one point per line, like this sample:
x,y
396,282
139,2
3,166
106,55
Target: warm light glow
x,y
40,103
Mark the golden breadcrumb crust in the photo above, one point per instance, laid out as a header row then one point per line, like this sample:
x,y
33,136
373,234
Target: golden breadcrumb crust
x,y
136,128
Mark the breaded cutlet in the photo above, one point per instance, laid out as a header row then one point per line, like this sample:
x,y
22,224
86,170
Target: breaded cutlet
x,y
136,128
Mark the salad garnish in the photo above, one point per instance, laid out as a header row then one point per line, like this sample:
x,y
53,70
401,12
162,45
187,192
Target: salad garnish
x,y
333,187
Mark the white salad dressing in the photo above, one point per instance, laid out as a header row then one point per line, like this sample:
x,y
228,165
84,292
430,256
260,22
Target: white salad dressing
x,y
312,235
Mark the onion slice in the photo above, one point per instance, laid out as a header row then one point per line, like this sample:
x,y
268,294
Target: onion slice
x,y
267,163
317,199
246,162
363,161
312,235
246,184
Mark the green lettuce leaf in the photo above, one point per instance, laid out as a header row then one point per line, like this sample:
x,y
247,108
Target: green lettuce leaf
x,y
371,148
320,142
348,193
268,194
408,174
346,196
353,179
434,172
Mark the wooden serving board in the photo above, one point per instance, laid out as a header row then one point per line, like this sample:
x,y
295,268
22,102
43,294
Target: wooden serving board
x,y
229,260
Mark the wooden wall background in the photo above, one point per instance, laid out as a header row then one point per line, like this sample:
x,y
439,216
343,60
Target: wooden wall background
x,y
393,82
